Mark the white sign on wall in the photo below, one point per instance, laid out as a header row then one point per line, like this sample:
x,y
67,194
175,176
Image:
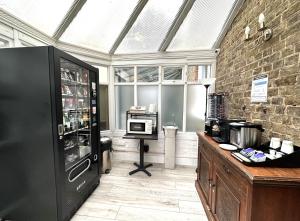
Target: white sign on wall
x,y
259,90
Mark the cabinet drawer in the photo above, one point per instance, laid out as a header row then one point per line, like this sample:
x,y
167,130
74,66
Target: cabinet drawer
x,y
233,178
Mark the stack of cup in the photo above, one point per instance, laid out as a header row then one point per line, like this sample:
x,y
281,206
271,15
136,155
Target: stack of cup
x,y
275,143
287,147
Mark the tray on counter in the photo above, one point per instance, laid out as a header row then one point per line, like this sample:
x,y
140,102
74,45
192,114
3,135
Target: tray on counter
x,y
286,161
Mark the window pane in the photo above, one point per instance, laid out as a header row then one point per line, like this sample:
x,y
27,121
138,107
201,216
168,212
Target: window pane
x,y
195,108
147,95
172,73
124,100
197,72
104,114
45,15
99,23
202,25
151,27
124,74
172,105
147,74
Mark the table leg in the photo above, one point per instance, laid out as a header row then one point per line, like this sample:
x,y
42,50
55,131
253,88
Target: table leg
x,y
141,166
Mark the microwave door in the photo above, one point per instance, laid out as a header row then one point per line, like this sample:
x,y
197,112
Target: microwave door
x,y
136,127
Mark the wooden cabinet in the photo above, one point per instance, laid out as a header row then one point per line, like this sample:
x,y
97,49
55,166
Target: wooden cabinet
x,y
231,191
226,204
205,179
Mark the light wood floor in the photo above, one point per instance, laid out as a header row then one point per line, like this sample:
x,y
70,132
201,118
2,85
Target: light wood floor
x,y
168,195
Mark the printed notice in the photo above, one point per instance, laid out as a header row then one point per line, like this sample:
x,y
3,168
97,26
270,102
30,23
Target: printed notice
x,y
259,91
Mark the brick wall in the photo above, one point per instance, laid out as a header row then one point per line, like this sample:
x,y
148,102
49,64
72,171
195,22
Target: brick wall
x,y
239,61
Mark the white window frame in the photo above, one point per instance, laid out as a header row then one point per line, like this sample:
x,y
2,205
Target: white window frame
x,y
160,82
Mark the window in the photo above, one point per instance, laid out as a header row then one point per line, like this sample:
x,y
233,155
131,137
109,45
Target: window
x,y
197,72
147,74
195,108
172,73
43,14
202,25
175,90
147,94
172,105
150,28
124,98
103,98
98,24
124,74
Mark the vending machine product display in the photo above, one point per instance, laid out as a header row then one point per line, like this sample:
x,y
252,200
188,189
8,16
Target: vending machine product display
x,y
49,147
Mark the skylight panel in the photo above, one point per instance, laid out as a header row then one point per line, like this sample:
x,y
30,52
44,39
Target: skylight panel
x,y
99,23
150,28
202,25
44,15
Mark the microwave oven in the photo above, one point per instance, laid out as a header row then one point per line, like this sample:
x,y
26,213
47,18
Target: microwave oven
x,y
139,126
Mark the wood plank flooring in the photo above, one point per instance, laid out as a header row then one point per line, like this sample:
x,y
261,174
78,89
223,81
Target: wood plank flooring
x,y
168,195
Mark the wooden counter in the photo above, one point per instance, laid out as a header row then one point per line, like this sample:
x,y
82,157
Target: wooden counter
x,y
231,191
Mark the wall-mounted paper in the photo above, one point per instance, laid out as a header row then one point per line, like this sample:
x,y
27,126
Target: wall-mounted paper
x,y
259,91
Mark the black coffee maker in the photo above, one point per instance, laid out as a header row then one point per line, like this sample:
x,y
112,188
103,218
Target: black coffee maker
x,y
216,123
219,129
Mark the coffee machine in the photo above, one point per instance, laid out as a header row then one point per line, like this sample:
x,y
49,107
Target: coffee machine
x,y
219,129
217,124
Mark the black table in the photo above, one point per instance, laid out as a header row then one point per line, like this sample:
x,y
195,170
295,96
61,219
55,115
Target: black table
x,y
142,138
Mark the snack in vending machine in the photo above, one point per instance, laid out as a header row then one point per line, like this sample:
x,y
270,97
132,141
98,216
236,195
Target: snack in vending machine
x,y
79,77
85,76
85,93
68,90
63,90
69,103
63,102
79,93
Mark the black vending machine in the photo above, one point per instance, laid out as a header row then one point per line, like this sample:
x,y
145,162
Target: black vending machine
x,y
49,152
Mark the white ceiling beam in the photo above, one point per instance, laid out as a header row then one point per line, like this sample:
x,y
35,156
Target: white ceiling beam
x,y
181,15
71,14
231,16
84,53
136,12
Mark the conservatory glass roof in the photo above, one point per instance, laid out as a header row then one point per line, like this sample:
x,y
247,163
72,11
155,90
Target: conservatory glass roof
x,y
150,28
45,15
98,23
126,26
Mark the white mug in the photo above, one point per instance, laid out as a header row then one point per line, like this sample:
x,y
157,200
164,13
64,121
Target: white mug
x,y
287,147
275,142
272,152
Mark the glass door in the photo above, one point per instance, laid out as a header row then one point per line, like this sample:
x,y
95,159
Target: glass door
x,y
75,88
